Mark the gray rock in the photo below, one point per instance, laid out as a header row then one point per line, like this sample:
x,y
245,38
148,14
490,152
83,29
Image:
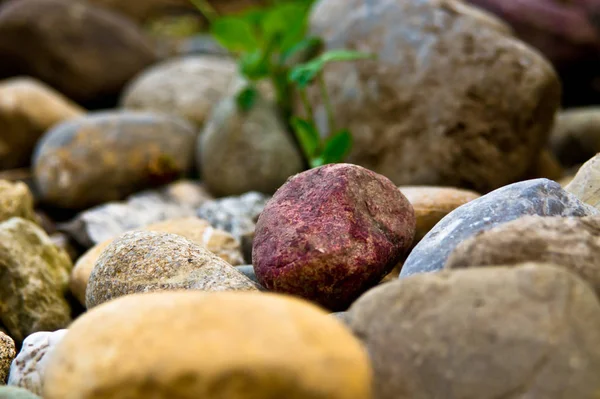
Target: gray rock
x,y
241,151
248,271
236,215
176,200
145,261
532,197
7,354
451,98
35,277
28,368
188,87
16,393
107,156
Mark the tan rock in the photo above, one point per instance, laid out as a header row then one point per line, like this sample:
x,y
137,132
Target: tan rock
x,y
7,354
16,201
144,261
196,345
28,108
431,204
199,231
586,183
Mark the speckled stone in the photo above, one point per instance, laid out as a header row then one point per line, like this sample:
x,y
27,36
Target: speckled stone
x,y
7,354
144,261
532,197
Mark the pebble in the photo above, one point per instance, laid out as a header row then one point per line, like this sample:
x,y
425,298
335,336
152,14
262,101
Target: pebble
x,y
108,155
145,261
16,201
7,354
531,331
193,345
35,275
541,197
575,137
585,185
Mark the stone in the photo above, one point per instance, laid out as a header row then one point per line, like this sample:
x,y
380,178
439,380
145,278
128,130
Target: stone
x,y
247,241
107,156
248,271
201,44
199,231
16,201
258,151
541,197
331,233
190,345
173,201
64,242
575,137
28,108
22,175
572,242
236,214
35,277
146,261
451,99
431,204
525,332
29,367
188,87
585,185
7,354
547,166
33,42
16,393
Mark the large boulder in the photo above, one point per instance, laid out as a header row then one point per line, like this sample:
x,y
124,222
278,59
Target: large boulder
x,y
451,99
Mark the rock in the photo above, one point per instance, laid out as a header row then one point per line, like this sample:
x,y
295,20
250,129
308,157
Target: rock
x,y
188,87
35,276
576,135
547,166
248,271
573,243
176,200
28,369
255,146
450,100
431,204
530,332
7,354
34,41
331,233
145,261
63,242
531,197
236,215
15,201
586,183
27,109
107,156
199,231
201,44
16,393
193,345
247,240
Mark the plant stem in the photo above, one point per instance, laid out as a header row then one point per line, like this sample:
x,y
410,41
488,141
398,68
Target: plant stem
x,y
206,9
307,106
327,102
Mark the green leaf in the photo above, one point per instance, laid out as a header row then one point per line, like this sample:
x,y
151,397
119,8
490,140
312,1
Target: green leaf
x,y
307,135
286,23
305,74
254,65
246,98
337,147
235,34
342,55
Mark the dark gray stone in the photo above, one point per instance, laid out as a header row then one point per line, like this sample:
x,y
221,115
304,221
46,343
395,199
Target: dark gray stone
x,y
541,197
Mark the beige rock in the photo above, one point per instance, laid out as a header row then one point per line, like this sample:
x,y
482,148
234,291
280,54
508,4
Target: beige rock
x,y
7,354
191,345
523,332
16,201
586,183
431,204
28,108
144,261
199,231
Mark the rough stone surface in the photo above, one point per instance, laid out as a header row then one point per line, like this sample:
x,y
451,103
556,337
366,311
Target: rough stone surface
x,y
199,231
7,354
532,197
526,332
450,100
107,156
16,393
576,135
190,345
36,40
431,204
586,183
331,233
188,87
28,369
35,276
176,200
16,201
236,215
243,151
144,261
27,109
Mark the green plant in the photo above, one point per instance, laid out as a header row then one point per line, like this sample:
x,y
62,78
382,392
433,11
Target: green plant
x,y
272,43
